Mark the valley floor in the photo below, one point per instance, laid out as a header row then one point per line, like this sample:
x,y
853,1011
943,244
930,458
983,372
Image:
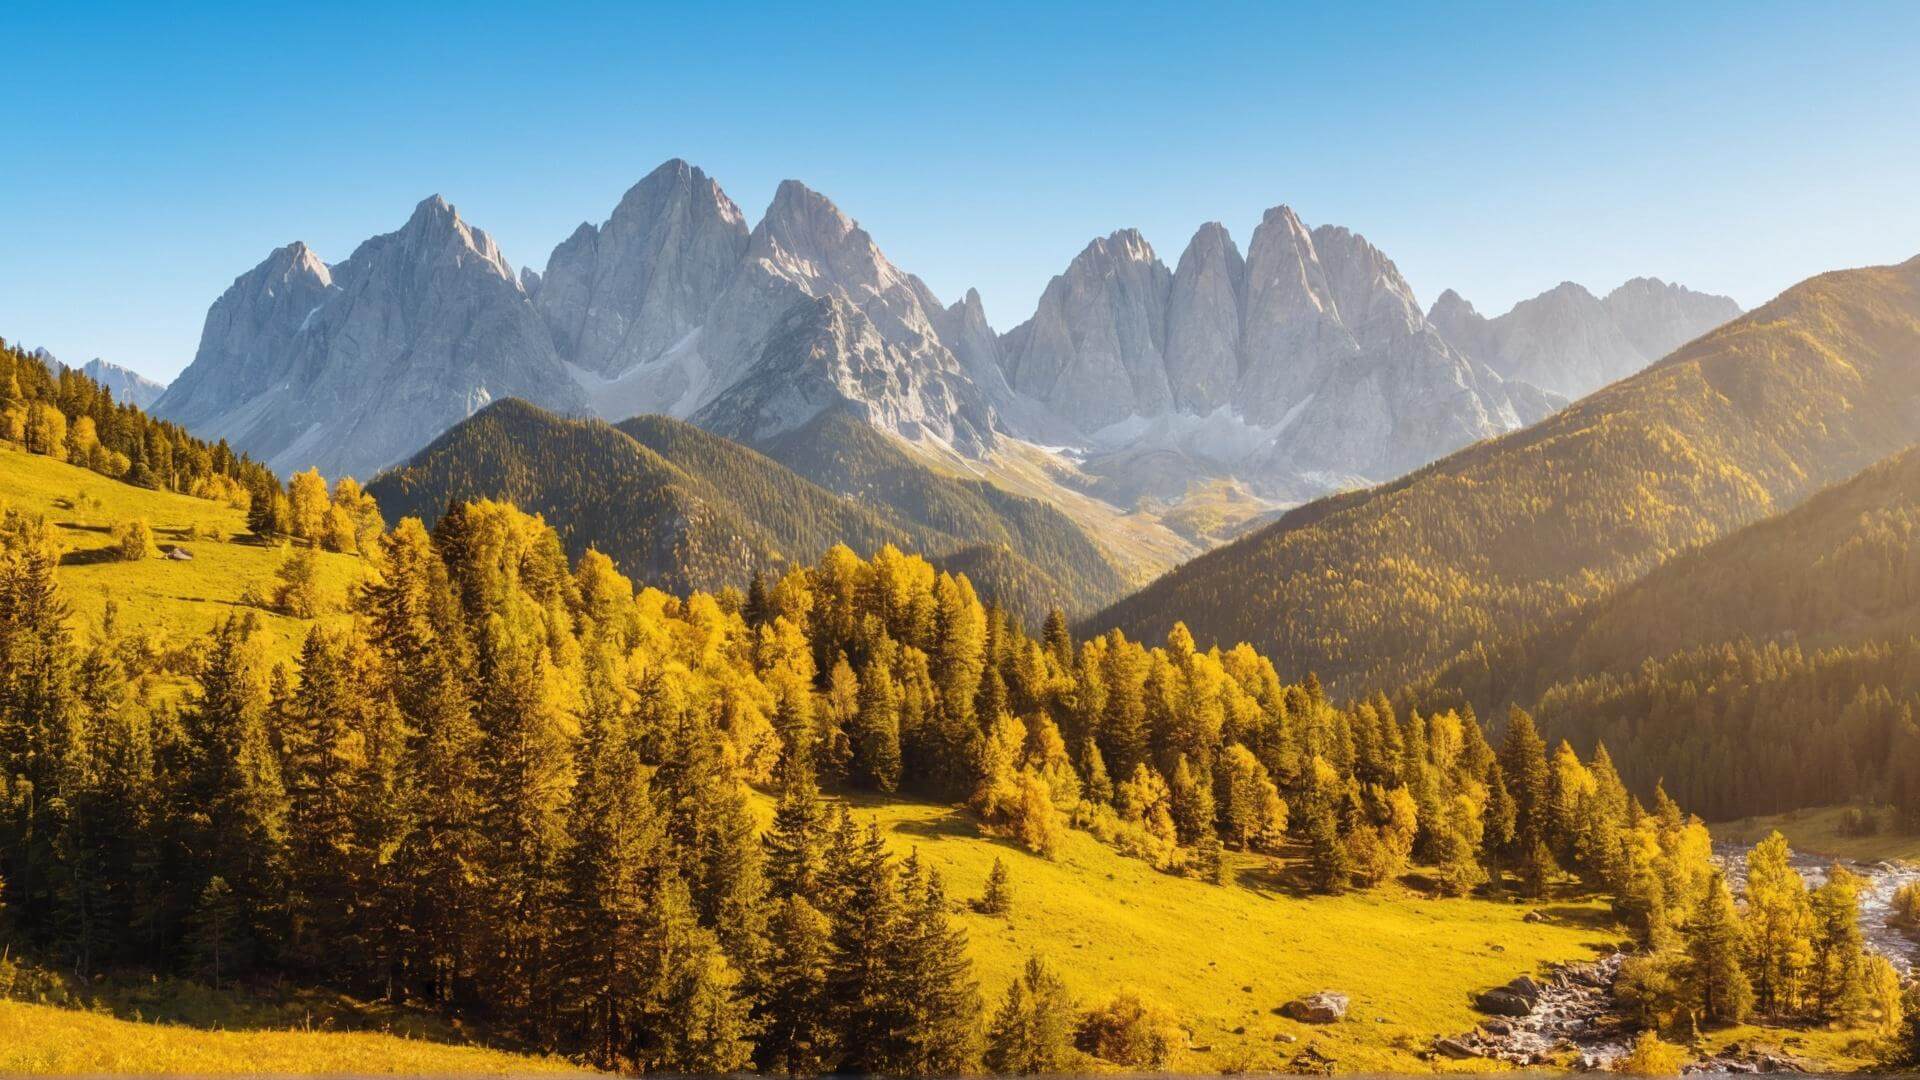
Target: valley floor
x,y
1823,831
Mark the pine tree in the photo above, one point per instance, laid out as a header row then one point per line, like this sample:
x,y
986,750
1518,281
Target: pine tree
x,y
692,1016
218,941
1329,867
1778,923
715,839
998,898
1716,944
797,840
235,778
876,726
615,855
863,976
1838,949
1193,806
937,992
796,1013
1032,1031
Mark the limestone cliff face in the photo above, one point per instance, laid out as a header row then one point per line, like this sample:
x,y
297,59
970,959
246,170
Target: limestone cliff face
x,y
352,367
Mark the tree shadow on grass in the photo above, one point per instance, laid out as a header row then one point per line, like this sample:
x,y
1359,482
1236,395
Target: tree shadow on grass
x,y
90,557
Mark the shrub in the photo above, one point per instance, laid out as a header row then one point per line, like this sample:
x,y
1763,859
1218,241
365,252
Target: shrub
x,y
133,540
1652,1057
1857,822
1129,1031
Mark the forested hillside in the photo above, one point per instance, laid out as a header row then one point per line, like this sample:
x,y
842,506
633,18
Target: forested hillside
x,y
1460,564
680,508
1775,669
844,455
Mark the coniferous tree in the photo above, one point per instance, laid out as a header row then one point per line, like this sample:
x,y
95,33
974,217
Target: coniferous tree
x,y
1778,924
1032,1032
998,898
796,1011
1716,946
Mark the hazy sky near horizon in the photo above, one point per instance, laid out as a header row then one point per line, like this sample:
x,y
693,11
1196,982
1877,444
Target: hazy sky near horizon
x,y
155,152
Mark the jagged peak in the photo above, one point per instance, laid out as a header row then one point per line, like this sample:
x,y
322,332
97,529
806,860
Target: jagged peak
x,y
1568,290
675,173
795,201
1283,215
436,220
1121,245
1450,302
1210,239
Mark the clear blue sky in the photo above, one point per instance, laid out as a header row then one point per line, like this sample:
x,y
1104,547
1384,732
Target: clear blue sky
x,y
154,152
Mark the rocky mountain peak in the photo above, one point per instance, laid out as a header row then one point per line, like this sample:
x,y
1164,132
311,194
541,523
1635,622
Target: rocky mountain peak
x,y
1568,341
622,294
1093,351
435,232
1206,309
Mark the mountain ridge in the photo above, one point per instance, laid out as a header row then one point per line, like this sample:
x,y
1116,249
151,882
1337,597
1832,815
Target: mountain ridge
x,y
1497,541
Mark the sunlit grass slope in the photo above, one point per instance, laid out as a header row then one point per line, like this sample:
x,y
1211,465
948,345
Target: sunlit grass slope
x,y
175,599
1224,958
1821,832
45,1039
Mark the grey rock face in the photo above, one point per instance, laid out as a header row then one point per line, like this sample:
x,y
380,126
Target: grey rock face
x,y
353,367
1659,318
1306,366
622,294
1093,350
1203,321
826,353
1570,342
127,385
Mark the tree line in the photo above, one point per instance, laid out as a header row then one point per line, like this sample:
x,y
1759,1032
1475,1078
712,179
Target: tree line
x,y
72,418
521,789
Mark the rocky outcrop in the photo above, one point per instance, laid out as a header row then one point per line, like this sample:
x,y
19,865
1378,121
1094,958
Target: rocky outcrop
x,y
1325,1007
349,368
1570,342
1304,367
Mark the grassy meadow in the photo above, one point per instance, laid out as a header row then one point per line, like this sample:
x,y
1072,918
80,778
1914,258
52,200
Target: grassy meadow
x,y
47,1039
1822,831
173,601
1224,958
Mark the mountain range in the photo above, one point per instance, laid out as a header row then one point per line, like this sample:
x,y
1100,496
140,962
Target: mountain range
x,y
1570,342
1471,571
1304,366
128,386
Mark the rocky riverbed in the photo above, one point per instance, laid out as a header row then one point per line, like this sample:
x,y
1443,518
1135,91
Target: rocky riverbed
x,y
1569,1011
1876,900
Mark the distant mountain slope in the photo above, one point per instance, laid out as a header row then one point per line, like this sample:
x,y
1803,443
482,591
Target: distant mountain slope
x,y
1571,342
1842,567
842,454
595,486
1775,669
1497,542
129,387
679,507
